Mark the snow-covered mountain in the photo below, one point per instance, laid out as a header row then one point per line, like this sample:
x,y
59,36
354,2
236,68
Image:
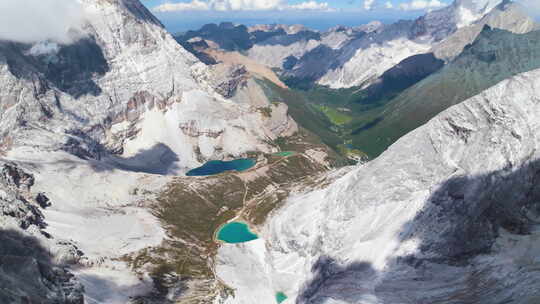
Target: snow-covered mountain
x,y
345,57
90,132
449,214
136,76
495,55
353,63
468,11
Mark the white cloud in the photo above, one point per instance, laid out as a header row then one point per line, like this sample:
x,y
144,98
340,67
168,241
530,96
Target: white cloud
x,y
532,6
38,20
245,5
388,5
368,4
240,5
421,5
311,5
195,5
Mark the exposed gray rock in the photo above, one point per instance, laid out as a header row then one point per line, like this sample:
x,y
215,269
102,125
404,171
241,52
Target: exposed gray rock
x,y
32,265
227,78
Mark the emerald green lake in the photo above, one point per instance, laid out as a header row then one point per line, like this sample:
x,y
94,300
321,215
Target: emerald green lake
x,y
284,153
280,297
217,166
236,232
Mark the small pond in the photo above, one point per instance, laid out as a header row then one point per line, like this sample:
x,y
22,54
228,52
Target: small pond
x,y
236,232
280,297
214,167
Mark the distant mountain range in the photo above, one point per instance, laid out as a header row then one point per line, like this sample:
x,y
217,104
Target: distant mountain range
x,y
381,61
345,57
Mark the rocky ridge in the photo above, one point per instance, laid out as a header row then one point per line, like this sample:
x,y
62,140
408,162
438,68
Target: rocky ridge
x,y
30,270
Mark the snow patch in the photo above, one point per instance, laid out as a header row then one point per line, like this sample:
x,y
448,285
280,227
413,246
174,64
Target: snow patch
x,y
44,48
360,70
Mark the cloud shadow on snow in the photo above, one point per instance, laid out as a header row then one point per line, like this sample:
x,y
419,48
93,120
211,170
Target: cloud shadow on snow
x,y
159,159
71,69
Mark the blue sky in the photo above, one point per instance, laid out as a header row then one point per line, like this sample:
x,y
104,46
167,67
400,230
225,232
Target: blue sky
x,y
181,15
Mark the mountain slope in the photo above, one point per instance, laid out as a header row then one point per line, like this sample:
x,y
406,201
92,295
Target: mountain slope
x,y
352,64
508,16
493,57
117,93
449,214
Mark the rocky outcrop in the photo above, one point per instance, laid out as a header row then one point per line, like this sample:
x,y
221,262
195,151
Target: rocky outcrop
x,y
33,263
227,78
16,206
29,276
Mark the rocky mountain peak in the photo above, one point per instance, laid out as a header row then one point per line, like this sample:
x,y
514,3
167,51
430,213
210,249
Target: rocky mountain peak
x,y
371,26
478,5
469,11
133,7
289,29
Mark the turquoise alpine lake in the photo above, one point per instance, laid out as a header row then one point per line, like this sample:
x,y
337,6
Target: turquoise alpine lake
x,y
214,167
236,232
280,297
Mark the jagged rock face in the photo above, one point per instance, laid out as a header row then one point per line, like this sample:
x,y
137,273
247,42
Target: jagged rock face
x,y
228,36
92,96
32,262
477,7
15,206
345,56
289,29
279,39
352,65
227,79
449,214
